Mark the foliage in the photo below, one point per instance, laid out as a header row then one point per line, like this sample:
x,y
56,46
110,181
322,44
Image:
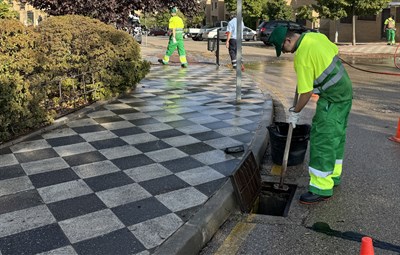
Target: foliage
x,y
20,99
250,8
331,9
306,12
116,11
278,10
6,12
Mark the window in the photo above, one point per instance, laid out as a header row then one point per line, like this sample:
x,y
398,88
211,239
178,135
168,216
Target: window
x,y
397,14
215,5
30,17
367,17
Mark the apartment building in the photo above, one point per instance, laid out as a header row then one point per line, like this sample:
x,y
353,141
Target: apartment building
x,y
368,28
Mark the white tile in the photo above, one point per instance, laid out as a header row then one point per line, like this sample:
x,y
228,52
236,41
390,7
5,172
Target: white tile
x,y
134,116
181,140
96,136
231,131
168,118
204,119
95,169
8,160
117,125
212,157
120,152
238,121
193,129
166,154
64,191
82,123
155,127
90,225
60,132
182,199
223,142
30,146
44,165
152,233
100,114
66,250
199,175
73,149
117,106
148,172
26,219
139,138
123,195
15,185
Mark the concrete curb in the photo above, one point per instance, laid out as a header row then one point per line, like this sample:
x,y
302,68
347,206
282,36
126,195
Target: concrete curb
x,y
197,232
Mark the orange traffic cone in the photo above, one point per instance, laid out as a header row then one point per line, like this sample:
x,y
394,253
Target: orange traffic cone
x,y
396,138
366,246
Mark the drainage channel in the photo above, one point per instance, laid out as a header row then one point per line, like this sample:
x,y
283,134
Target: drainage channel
x,y
257,197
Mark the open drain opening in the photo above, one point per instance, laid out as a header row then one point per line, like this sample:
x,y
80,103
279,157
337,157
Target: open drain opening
x,y
274,202
259,197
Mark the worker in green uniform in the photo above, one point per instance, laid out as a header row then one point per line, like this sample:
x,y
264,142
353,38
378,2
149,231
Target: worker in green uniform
x,y
390,28
175,39
320,71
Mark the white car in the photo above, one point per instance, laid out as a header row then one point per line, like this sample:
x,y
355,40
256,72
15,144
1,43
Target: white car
x,y
248,34
212,33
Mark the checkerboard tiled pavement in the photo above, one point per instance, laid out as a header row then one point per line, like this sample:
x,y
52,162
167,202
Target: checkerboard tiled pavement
x,y
125,177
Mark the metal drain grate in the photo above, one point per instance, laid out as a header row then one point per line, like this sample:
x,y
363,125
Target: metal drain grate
x,y
246,181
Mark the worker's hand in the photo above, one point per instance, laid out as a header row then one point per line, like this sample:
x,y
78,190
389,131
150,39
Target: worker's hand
x,y
227,44
173,39
293,117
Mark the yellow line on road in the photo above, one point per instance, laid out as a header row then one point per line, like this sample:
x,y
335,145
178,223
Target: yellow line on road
x,y
236,237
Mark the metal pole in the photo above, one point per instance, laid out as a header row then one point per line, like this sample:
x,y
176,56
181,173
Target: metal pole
x,y
239,51
217,51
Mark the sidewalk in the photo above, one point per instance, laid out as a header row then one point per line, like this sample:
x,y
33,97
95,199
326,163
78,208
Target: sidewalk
x,y
128,175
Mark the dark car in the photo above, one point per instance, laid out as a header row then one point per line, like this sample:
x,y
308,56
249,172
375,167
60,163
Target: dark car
x,y
158,31
265,29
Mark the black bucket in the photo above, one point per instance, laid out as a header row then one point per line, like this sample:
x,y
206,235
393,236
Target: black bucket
x,y
298,146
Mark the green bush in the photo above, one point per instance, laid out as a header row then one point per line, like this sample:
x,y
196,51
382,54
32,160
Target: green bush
x,y
20,99
72,45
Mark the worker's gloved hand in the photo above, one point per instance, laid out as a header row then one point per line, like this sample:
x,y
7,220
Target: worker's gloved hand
x,y
173,39
293,117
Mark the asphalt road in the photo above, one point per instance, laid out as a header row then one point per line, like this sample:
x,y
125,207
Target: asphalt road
x,y
366,203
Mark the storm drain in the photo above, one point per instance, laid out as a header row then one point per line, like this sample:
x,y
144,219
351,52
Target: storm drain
x,y
259,197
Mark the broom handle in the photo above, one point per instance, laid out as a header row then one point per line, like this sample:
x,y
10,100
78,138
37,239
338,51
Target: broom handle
x,y
287,146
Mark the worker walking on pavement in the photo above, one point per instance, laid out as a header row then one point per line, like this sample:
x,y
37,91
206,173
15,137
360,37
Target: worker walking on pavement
x,y
390,28
231,41
320,71
175,39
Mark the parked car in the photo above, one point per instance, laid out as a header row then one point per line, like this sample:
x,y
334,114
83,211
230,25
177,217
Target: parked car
x,y
212,33
265,29
248,34
158,31
199,35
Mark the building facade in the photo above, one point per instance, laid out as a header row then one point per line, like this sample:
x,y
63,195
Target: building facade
x,y
28,15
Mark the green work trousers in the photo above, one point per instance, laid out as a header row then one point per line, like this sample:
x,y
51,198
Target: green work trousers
x,y
172,47
390,35
327,140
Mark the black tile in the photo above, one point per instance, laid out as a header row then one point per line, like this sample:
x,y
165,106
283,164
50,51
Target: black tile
x,y
140,211
88,129
164,184
108,181
208,135
255,118
84,158
127,131
180,123
7,172
138,104
250,126
132,161
124,111
34,241
152,146
217,125
167,133
66,140
53,177
108,119
244,138
77,206
209,188
192,115
19,201
224,116
5,150
108,143
160,113
227,167
119,242
182,164
36,155
195,148
146,121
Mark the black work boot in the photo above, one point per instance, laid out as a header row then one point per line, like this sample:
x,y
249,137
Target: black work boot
x,y
311,198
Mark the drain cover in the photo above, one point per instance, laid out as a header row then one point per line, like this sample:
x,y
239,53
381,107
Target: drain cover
x,y
246,181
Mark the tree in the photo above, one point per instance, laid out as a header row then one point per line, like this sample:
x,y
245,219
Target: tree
x,y
278,10
252,10
305,12
6,12
115,11
333,10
